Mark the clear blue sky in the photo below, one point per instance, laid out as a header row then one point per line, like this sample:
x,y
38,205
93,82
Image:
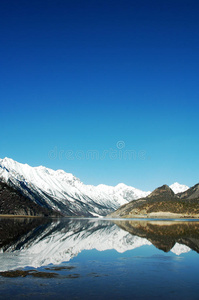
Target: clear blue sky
x,y
117,77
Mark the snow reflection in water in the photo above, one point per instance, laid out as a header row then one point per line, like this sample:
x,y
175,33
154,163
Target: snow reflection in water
x,y
116,254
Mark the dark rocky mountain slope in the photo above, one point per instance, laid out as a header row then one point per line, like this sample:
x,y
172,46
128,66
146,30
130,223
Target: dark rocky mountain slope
x,y
192,193
12,202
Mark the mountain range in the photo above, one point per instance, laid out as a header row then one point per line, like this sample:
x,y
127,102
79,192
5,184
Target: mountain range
x,y
162,203
61,193
64,193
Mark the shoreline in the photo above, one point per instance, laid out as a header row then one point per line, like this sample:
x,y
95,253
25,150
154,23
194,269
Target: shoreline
x,y
154,216
157,215
169,215
20,216
45,217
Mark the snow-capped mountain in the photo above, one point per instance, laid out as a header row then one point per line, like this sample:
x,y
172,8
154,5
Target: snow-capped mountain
x,y
179,188
64,192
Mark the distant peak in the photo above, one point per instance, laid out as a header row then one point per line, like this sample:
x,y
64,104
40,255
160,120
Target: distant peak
x,y
101,185
41,168
7,159
165,186
121,185
178,188
62,172
162,191
176,184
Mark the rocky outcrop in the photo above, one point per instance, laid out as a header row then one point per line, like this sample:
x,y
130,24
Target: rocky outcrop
x,y
191,193
162,203
12,202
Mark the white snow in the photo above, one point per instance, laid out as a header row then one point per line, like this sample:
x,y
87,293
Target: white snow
x,y
59,189
178,188
65,188
62,245
179,249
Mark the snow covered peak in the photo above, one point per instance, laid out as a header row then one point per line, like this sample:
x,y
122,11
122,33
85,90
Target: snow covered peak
x,y
59,189
12,165
121,186
7,159
7,162
64,192
178,188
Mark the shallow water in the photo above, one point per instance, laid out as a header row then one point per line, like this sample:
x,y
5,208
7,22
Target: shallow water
x,y
98,259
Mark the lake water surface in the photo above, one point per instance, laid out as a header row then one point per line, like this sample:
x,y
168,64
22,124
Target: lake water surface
x,y
98,259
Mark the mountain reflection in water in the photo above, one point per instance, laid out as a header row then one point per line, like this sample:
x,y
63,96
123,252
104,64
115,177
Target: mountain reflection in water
x,y
39,242
165,234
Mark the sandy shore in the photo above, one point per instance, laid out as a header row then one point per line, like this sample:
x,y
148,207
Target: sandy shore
x,y
169,215
161,215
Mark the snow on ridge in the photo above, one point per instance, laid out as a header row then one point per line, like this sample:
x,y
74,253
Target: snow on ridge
x,y
178,188
66,188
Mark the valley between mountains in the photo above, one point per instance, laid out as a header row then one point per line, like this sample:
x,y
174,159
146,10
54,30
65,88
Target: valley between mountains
x,y
40,191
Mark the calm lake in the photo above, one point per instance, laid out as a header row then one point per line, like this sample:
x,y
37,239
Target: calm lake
x,y
98,259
